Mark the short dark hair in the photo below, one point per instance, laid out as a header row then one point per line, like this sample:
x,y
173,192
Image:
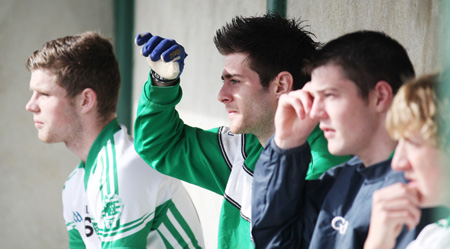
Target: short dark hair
x,y
82,61
367,57
273,44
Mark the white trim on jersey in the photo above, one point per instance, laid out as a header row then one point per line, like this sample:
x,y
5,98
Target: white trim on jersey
x,y
238,191
168,235
119,234
178,227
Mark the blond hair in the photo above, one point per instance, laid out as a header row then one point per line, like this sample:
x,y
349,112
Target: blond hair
x,y
415,108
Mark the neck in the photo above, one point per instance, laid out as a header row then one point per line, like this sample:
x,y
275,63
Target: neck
x,y
379,149
263,140
82,142
263,137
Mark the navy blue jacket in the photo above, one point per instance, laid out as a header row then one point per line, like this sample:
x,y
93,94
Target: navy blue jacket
x,y
332,212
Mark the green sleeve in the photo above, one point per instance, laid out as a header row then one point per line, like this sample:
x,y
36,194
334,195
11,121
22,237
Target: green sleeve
x,y
321,159
75,240
173,148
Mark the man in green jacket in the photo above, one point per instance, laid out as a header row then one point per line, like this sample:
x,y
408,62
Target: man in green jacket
x,y
264,57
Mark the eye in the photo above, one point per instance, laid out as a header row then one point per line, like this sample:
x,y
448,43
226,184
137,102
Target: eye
x,y
42,94
413,141
234,81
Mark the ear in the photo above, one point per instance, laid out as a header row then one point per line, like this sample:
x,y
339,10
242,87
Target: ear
x,y
382,96
283,83
87,100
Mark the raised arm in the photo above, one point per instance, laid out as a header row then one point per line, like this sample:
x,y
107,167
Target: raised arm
x,y
279,180
161,137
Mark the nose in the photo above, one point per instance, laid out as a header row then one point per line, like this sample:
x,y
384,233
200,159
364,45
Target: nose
x,y
317,110
400,160
224,95
31,106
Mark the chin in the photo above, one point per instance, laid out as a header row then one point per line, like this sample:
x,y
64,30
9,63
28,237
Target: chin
x,y
43,139
335,151
427,204
430,201
235,129
46,139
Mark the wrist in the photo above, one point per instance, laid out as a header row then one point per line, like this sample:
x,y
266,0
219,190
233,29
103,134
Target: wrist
x,y
158,80
288,143
378,241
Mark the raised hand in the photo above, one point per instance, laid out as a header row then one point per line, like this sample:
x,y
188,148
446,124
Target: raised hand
x,y
392,208
292,121
164,56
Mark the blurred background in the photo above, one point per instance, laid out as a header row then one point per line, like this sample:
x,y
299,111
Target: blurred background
x,y
32,173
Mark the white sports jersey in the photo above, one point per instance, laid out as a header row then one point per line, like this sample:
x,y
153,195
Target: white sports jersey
x,y
433,236
117,200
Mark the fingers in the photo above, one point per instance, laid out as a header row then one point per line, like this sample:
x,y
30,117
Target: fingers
x,y
148,49
292,122
307,86
399,215
397,205
392,208
395,192
172,50
142,38
157,47
290,103
301,101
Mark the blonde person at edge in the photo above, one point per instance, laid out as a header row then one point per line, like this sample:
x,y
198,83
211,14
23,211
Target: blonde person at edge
x,y
419,121
112,199
264,57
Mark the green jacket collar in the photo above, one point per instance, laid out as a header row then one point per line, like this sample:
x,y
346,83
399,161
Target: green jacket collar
x,y
110,129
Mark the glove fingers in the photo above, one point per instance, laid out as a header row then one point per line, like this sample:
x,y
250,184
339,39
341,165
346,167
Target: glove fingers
x,y
164,56
142,38
162,48
149,48
173,52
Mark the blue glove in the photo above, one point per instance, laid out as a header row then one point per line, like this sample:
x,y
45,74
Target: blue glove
x,y
164,56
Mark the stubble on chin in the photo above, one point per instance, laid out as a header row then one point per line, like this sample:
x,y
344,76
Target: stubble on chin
x,y
45,138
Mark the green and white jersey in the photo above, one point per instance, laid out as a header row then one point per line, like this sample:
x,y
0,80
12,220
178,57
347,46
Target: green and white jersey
x,y
116,200
433,236
213,159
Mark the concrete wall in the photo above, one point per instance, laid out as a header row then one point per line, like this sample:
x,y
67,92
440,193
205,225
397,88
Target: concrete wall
x,y
33,173
414,23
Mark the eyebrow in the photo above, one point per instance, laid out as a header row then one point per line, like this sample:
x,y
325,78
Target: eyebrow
x,y
321,91
228,76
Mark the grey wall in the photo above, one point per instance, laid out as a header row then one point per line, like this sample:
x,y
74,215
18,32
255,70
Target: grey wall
x,y
414,23
33,173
